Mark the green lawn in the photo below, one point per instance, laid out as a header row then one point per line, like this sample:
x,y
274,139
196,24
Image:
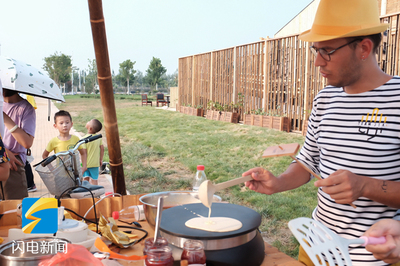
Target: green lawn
x,y
161,150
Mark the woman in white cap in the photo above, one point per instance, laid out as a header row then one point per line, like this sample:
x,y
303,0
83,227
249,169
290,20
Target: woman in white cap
x,y
353,137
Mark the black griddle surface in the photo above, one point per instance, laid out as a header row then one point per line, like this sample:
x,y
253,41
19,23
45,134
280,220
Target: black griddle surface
x,y
173,220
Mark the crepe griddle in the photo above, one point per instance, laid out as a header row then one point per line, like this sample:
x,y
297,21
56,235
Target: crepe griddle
x,y
244,246
174,219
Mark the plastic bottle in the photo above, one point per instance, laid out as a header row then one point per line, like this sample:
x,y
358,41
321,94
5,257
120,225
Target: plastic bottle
x,y
132,212
199,178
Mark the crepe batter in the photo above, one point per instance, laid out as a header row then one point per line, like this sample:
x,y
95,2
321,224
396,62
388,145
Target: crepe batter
x,y
212,224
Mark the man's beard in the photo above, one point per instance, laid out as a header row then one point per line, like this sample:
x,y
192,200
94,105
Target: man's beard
x,y
349,74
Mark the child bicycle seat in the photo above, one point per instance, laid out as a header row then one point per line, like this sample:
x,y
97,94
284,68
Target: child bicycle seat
x,y
79,192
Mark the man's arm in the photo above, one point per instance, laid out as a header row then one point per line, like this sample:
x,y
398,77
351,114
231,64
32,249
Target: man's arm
x,y
265,182
345,187
19,134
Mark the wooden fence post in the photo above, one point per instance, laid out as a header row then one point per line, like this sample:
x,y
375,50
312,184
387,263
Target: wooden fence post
x,y
193,73
234,76
267,75
211,77
264,102
306,85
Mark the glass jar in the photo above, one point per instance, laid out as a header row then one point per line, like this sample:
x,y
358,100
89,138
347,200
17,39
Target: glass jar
x,y
159,256
148,243
193,252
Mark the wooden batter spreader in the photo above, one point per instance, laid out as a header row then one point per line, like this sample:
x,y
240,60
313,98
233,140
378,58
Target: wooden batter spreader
x,y
289,150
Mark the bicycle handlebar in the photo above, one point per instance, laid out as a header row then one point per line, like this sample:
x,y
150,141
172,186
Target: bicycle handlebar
x,y
91,138
48,160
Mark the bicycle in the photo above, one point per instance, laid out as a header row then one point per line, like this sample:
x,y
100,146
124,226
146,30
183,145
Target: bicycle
x,y
64,174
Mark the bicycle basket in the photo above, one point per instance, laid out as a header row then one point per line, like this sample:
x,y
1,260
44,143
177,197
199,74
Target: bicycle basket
x,y
55,176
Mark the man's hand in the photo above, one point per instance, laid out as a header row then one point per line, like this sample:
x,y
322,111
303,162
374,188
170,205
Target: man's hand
x,y
343,186
263,181
14,162
389,252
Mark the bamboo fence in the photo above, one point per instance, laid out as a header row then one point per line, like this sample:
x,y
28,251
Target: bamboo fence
x,y
276,76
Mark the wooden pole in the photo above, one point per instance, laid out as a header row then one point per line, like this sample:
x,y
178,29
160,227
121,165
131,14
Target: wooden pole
x,y
211,77
194,65
234,76
106,94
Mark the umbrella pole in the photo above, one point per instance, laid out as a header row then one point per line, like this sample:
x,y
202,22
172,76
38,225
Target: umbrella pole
x,y
106,94
48,109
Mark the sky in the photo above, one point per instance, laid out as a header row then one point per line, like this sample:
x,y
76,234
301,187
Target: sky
x,y
138,29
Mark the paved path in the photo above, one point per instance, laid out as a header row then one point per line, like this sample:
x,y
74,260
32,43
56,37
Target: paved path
x,y
44,132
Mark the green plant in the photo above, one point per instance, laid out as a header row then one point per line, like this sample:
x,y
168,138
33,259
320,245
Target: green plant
x,y
258,111
210,105
226,107
239,103
200,106
218,107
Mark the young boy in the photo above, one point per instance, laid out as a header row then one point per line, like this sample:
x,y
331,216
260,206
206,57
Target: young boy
x,y
94,151
64,141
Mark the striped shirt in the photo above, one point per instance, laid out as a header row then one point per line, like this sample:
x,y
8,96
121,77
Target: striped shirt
x,y
359,133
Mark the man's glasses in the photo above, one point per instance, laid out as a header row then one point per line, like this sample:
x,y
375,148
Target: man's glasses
x,y
327,55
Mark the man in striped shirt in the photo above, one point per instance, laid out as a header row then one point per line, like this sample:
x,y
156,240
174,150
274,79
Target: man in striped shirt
x,y
353,137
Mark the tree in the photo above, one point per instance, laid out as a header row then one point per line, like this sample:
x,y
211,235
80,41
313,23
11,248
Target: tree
x,y
172,79
82,83
59,67
127,72
75,73
155,72
91,77
139,78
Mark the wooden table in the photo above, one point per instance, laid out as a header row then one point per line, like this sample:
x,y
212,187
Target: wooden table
x,y
272,255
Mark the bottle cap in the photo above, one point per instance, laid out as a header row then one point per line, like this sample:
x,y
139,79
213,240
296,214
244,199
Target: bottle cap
x,y
200,167
115,215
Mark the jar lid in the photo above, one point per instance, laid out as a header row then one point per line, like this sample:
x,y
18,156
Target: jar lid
x,y
192,244
115,215
200,167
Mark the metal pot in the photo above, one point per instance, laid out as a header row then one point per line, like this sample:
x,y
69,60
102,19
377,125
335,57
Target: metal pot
x,y
171,199
30,251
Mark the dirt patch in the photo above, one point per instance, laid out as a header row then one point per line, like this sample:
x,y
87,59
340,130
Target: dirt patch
x,y
283,235
158,174
171,168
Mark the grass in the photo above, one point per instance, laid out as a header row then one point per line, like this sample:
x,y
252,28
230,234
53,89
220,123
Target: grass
x,y
161,150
